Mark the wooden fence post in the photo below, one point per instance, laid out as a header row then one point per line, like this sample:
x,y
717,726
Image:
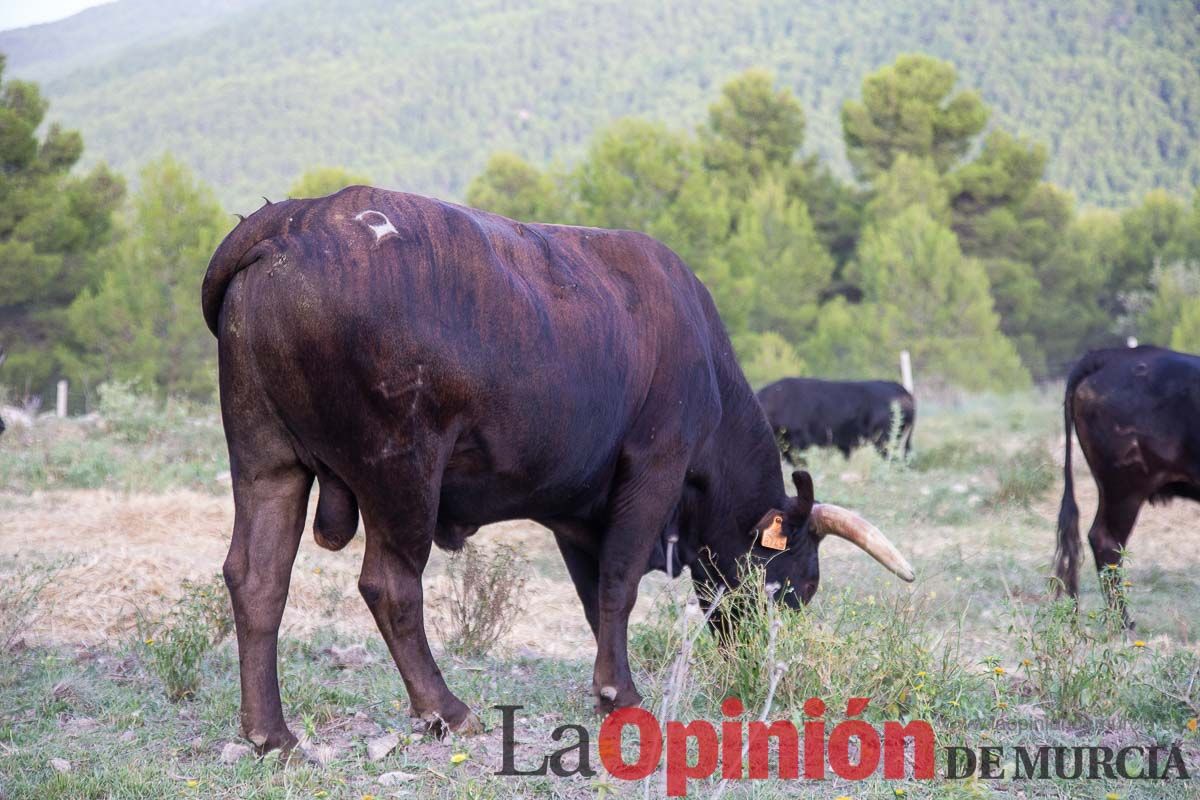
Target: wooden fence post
x,y
60,407
1131,341
906,371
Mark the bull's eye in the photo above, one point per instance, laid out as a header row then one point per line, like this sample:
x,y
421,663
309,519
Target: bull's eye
x,y
778,520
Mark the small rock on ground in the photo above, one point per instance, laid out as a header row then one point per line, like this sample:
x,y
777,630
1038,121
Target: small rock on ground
x,y
395,778
379,748
350,657
233,752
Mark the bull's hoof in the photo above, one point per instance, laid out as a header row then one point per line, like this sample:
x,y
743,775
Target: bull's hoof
x,y
264,743
610,698
461,721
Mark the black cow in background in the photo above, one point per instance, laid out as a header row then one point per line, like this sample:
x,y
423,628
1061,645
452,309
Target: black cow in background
x,y
807,412
1137,412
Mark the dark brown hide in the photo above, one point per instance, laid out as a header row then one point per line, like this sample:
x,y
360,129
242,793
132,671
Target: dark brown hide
x,y
1137,411
437,368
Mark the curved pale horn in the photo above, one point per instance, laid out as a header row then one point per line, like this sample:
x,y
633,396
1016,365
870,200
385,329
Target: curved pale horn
x,y
836,521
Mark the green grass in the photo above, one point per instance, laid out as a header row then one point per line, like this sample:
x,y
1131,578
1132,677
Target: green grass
x,y
131,444
977,645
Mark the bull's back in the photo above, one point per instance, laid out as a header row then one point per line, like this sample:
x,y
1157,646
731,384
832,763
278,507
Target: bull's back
x,y
378,318
1137,412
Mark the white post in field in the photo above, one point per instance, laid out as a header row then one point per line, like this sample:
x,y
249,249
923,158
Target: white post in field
x,y
906,371
60,407
1131,341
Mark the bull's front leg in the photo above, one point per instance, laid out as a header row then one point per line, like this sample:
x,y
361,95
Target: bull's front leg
x,y
642,507
268,523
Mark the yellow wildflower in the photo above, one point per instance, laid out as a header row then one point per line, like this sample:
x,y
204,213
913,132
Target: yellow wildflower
x,y
458,758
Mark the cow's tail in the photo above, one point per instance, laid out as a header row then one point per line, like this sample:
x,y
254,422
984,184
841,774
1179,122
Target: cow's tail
x,y
247,243
1066,557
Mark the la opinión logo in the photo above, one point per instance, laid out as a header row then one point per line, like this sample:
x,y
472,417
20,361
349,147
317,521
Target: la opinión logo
x,y
852,749
739,749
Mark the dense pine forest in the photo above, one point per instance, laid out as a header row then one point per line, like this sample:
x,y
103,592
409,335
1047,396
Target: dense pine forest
x,y
250,93
839,208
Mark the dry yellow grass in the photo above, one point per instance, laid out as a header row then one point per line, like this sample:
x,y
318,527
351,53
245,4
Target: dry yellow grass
x,y
130,552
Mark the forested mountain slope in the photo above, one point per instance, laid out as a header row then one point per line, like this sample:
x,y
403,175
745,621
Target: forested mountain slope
x,y
417,94
82,41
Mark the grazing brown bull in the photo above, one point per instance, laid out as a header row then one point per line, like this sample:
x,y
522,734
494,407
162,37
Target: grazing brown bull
x,y
1137,412
438,368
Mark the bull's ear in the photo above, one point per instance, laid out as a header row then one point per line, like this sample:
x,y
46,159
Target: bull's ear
x,y
804,495
770,531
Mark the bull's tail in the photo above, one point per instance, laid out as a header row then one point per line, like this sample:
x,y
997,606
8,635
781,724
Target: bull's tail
x,y
246,243
1066,557
251,241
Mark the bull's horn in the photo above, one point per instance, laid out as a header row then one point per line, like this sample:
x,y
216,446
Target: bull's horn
x,y
836,521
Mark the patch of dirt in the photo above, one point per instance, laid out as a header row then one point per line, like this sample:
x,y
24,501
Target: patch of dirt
x,y
129,553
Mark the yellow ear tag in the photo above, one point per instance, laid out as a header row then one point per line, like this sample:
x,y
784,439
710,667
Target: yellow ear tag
x,y
773,537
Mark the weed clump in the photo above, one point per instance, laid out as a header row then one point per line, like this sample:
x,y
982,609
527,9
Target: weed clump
x,y
129,414
953,453
21,588
846,646
484,598
1024,478
173,646
1069,662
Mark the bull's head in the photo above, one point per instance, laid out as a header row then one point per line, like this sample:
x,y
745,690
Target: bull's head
x,y
787,540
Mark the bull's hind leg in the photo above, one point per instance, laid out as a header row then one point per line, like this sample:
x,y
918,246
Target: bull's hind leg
x,y
268,523
399,532
1108,536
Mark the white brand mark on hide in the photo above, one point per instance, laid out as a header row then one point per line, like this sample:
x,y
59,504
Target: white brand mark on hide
x,y
378,222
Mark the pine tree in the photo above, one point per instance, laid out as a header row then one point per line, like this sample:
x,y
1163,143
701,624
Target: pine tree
x,y
907,107
753,130
142,324
933,301
1185,336
51,224
320,181
777,250
514,188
